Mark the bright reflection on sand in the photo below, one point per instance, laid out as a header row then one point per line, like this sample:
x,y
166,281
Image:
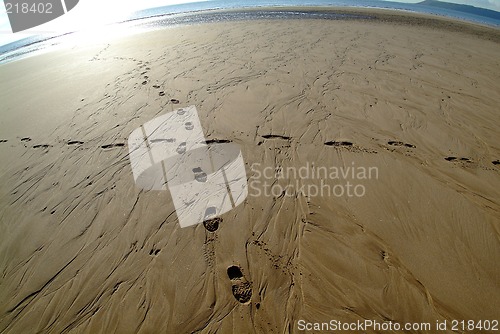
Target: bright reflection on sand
x,y
96,35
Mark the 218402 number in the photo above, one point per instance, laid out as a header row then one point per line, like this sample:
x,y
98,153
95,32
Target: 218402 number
x,y
471,325
25,8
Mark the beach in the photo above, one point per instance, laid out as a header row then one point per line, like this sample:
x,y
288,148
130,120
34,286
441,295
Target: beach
x,y
410,101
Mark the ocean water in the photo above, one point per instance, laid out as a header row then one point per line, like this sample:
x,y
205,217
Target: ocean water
x,y
154,18
224,4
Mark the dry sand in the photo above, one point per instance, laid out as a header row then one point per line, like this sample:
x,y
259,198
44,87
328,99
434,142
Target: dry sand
x,y
82,249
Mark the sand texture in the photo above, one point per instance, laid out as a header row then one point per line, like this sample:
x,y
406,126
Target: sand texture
x,y
83,250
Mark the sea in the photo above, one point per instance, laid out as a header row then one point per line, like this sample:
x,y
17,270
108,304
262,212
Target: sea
x,y
201,12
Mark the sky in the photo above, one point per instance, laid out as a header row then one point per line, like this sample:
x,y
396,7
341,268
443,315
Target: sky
x,y
97,12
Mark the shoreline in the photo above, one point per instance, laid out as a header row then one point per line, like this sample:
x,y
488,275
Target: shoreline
x,y
379,15
396,16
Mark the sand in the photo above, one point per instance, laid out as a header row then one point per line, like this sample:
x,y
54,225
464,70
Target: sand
x,y
83,249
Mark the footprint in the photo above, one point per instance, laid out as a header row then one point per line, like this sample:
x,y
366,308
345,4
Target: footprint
x,y
199,175
234,272
211,222
160,140
154,252
349,146
161,93
468,160
75,142
144,82
242,289
156,86
181,149
276,137
383,255
189,126
112,145
25,139
338,143
41,146
174,101
496,162
400,143
181,112
3,140
212,225
217,141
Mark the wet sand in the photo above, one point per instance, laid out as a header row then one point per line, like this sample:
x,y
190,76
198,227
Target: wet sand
x,y
82,249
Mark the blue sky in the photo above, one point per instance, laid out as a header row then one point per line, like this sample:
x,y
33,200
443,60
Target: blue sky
x,y
112,10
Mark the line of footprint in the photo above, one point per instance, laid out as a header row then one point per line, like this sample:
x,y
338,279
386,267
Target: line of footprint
x,y
240,286
352,147
156,86
337,144
69,143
